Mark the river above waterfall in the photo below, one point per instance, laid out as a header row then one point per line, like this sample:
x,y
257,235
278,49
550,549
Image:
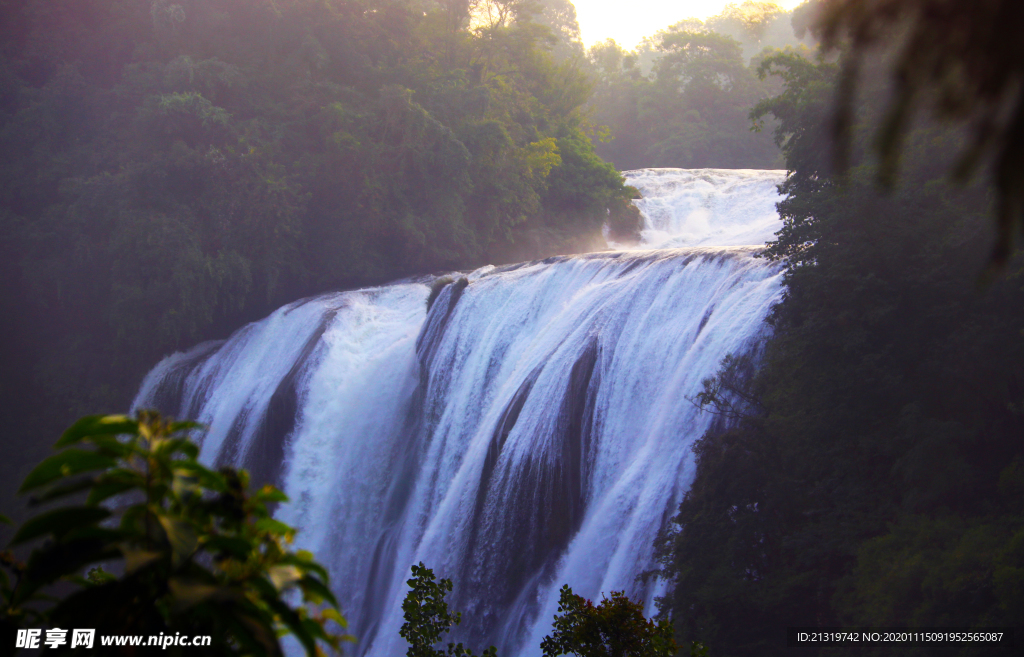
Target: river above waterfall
x,y
706,207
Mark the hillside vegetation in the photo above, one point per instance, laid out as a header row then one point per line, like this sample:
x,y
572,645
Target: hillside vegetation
x,y
873,474
174,168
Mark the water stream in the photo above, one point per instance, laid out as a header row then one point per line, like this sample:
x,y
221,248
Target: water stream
x,y
531,429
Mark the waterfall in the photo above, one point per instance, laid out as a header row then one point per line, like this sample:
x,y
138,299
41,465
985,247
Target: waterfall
x,y
531,429
707,207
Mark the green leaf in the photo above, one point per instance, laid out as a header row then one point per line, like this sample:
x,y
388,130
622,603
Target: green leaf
x,y
105,490
231,545
314,629
63,490
98,425
264,588
81,542
4,520
136,559
254,631
207,478
185,483
133,519
99,576
269,494
274,527
190,449
333,614
189,593
182,445
96,532
67,463
312,584
180,535
306,565
283,575
176,427
59,522
113,446
293,622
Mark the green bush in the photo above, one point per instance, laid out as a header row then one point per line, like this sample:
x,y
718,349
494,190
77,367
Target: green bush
x,y
192,550
614,628
427,617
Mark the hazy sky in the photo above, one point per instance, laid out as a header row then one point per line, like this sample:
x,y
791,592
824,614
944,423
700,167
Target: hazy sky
x,y
628,21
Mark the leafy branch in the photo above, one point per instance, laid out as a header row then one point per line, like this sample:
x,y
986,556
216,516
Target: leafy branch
x,y
728,393
427,617
194,551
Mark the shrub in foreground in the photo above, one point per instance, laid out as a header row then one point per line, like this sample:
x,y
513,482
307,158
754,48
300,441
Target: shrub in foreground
x,y
192,550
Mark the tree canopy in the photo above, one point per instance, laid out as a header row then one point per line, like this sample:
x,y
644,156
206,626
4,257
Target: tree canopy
x,y
682,98
960,61
616,627
868,471
175,168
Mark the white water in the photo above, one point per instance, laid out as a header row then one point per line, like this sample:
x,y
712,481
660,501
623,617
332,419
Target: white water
x,y
705,207
532,432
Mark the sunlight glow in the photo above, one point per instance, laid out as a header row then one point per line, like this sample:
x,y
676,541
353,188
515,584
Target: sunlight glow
x,y
629,22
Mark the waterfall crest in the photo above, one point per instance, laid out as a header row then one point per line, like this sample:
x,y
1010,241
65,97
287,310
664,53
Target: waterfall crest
x,y
705,207
531,429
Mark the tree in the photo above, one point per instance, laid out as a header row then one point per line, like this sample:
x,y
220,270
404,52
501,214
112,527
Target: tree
x,y
702,94
868,473
192,551
427,617
618,91
173,170
560,17
615,628
962,61
691,111
703,59
747,22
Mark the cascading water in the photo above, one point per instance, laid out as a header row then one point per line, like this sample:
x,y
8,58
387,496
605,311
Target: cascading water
x,y
531,429
707,207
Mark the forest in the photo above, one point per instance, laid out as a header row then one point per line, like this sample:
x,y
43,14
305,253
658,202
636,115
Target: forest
x,y
869,469
872,471
173,170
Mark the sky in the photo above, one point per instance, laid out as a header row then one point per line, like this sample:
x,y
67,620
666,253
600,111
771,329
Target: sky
x,y
628,21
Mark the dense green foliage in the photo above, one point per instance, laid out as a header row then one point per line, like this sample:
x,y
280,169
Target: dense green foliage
x,y
683,97
872,471
174,168
614,628
427,618
963,61
194,552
